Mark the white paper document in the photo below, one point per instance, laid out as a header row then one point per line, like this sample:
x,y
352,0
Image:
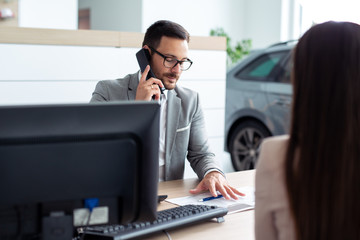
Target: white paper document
x,y
242,204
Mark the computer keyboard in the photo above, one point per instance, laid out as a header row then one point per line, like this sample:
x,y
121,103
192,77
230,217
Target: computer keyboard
x,y
166,219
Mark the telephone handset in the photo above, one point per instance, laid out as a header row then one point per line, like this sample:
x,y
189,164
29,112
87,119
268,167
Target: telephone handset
x,y
143,57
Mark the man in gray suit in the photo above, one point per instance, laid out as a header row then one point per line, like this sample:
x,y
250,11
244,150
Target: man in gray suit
x,y
182,127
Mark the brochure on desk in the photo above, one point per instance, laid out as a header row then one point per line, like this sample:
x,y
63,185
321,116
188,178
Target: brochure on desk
x,y
243,203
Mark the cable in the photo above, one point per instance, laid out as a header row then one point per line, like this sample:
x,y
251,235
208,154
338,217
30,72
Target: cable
x,y
167,234
90,203
86,225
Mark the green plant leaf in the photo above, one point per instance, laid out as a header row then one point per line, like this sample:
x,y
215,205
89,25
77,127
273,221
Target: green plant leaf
x,y
234,53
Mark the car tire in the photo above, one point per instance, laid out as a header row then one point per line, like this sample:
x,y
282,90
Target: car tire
x,y
244,144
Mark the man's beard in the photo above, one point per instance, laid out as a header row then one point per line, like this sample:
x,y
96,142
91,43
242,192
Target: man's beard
x,y
170,75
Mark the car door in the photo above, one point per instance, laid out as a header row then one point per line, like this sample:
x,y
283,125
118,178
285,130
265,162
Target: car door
x,y
279,95
249,86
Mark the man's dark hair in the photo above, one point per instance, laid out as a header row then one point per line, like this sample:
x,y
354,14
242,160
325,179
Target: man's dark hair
x,y
164,28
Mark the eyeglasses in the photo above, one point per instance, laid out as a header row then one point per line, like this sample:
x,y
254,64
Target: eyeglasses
x,y
171,62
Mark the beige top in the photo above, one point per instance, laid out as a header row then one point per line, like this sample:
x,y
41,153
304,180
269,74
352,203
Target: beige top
x,y
272,216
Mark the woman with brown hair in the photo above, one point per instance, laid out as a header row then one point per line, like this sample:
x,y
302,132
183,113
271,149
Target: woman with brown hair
x,y
308,183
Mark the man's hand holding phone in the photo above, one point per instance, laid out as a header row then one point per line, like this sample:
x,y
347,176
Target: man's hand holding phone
x,y
148,88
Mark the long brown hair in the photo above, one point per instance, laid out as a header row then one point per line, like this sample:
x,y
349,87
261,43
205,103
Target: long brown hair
x,y
323,157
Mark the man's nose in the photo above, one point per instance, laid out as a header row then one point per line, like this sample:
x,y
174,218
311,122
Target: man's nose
x,y
176,68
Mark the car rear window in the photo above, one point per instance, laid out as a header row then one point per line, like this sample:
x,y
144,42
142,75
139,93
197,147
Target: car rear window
x,y
262,67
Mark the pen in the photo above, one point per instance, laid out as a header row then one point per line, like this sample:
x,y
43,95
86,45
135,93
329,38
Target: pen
x,y
210,198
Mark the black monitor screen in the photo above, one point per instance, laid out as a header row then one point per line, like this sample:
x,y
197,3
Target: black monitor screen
x,y
56,160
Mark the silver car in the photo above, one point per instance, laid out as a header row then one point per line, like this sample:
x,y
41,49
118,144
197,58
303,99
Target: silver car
x,y
258,99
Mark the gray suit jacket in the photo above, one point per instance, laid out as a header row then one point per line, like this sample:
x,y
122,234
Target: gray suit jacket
x,y
185,131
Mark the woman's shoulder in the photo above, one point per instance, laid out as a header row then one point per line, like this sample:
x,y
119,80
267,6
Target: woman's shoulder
x,y
272,151
276,141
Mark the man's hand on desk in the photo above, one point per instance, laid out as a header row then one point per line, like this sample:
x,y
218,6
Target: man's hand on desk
x,y
215,181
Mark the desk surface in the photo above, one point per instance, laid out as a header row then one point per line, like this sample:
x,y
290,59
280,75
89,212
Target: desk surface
x,y
236,225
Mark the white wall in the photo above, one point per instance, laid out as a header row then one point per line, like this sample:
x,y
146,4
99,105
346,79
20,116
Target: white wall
x,y
235,26
57,14
292,22
263,22
198,17
259,20
114,15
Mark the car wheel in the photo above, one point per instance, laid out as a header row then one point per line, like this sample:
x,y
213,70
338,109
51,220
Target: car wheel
x,y
244,144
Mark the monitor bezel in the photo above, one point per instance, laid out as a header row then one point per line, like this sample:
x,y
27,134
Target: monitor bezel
x,y
18,124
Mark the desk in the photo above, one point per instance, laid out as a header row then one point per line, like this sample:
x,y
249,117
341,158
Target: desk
x,y
236,225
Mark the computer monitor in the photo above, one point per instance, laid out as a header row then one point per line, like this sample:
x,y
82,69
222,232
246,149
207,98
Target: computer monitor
x,y
57,159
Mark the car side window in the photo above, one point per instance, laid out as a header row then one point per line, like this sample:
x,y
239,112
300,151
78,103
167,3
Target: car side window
x,y
285,74
262,67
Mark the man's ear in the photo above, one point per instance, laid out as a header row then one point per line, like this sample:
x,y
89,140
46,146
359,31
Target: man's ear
x,y
147,47
150,53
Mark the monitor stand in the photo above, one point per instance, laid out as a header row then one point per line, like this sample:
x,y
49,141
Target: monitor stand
x,y
57,226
